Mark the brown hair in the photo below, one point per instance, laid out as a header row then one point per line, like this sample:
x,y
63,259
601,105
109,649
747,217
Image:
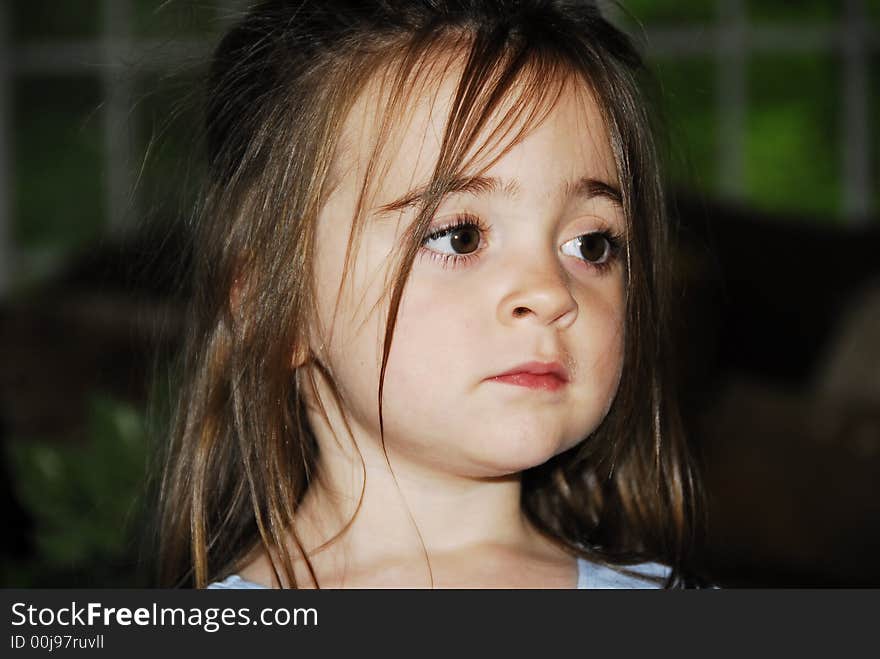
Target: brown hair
x,y
282,83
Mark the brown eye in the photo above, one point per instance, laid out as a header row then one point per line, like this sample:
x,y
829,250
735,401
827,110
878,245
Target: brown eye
x,y
594,247
464,240
598,248
457,240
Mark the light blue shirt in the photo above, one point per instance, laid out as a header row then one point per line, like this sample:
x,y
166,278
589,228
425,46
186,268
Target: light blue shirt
x,y
590,576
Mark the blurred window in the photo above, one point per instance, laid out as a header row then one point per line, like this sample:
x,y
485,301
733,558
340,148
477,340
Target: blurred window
x,y
770,103
94,95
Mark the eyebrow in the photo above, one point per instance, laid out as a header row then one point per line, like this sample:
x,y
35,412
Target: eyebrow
x,y
584,188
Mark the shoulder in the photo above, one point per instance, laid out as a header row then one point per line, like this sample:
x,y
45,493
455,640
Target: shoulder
x,y
638,576
234,582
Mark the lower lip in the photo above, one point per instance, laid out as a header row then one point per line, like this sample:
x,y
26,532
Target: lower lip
x,y
547,381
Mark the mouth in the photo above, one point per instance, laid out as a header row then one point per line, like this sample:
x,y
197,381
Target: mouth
x,y
549,376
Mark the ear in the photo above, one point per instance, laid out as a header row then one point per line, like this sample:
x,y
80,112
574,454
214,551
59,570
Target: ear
x,y
300,354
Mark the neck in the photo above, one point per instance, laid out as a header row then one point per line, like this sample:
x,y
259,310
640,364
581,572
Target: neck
x,y
367,509
406,504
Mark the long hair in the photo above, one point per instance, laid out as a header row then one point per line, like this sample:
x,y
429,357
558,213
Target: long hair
x,y
282,82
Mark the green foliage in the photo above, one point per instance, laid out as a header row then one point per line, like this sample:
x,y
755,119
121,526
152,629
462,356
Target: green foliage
x,y
86,499
688,97
793,142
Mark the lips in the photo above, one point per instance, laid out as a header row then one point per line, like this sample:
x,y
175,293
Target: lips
x,y
549,376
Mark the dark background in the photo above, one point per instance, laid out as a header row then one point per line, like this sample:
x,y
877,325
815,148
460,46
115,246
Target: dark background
x,y
773,110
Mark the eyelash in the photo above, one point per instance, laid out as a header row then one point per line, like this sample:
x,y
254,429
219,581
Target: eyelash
x,y
452,261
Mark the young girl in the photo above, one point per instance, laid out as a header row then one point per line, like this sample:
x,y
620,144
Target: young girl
x,y
427,341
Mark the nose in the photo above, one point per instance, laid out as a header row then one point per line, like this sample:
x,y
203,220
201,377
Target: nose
x,y
539,292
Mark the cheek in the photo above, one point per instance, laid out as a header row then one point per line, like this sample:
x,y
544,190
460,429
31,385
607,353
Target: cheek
x,y
612,329
613,365
432,330
601,338
610,360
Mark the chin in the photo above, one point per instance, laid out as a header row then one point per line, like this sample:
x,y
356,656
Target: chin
x,y
517,451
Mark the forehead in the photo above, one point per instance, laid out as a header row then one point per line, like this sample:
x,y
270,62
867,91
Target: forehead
x,y
391,143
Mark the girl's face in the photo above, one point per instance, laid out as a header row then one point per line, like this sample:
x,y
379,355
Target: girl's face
x,y
521,274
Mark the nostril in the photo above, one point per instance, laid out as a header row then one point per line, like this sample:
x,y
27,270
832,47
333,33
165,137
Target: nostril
x,y
520,311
